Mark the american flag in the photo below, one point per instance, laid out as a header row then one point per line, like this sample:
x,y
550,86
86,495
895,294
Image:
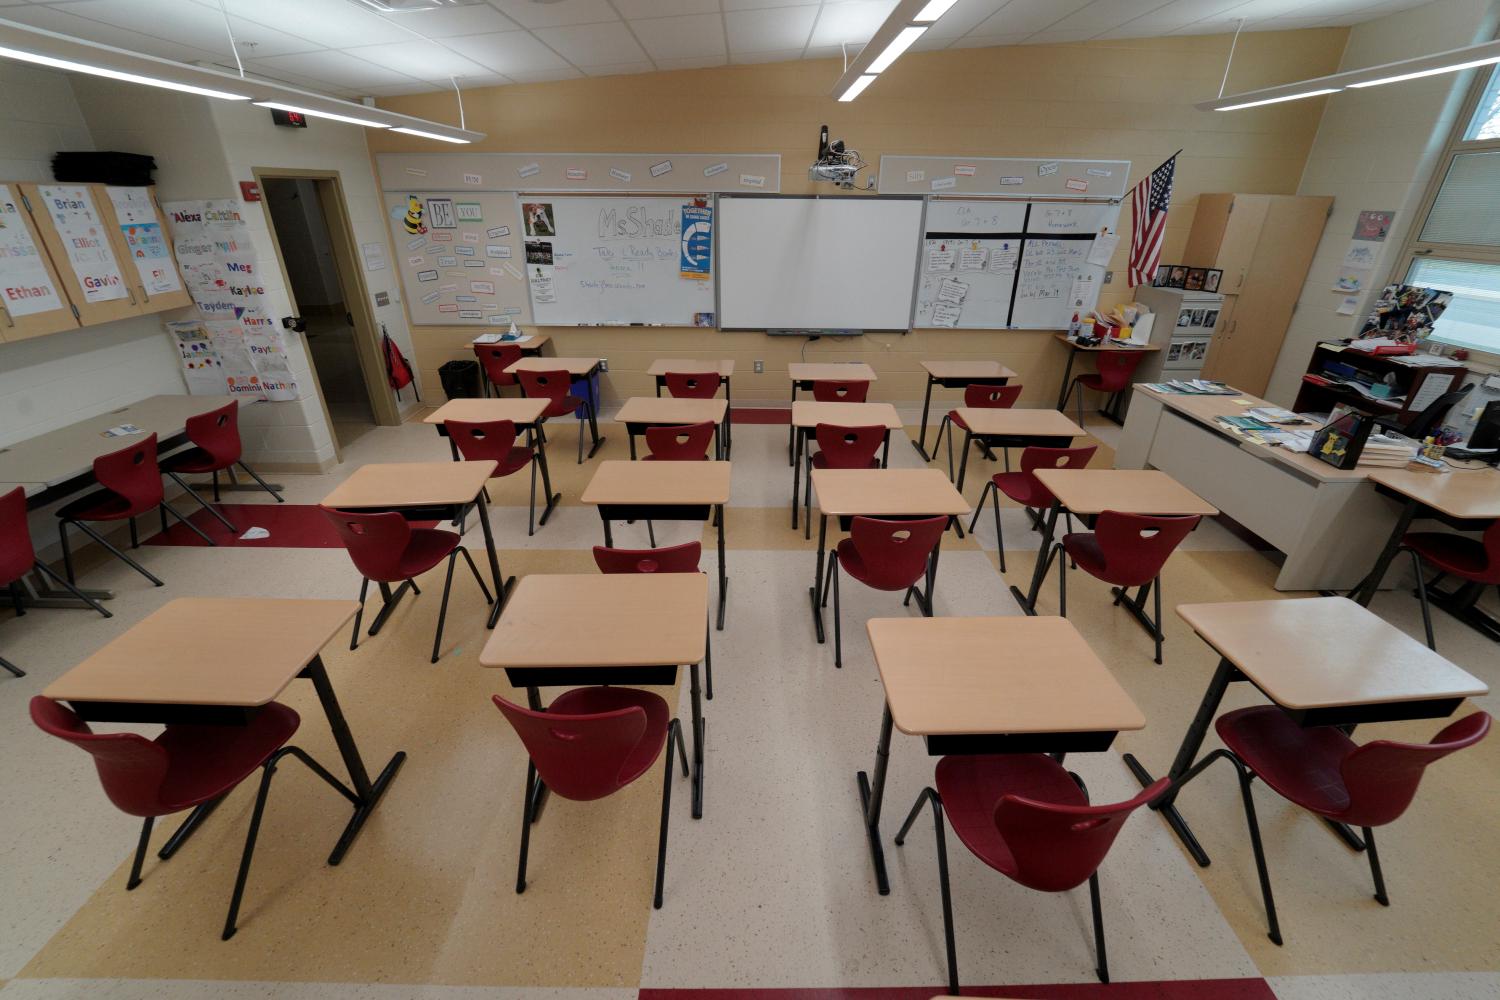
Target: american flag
x,y
1149,201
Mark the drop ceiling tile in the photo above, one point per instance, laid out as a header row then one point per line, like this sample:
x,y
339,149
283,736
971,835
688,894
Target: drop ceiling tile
x,y
547,76
759,4
700,63
416,58
695,36
770,30
1056,36
1104,16
976,41
452,22
548,15
931,43
619,69
509,52
333,67
329,24
964,17
594,45
780,55
1028,16
633,10
186,24
55,19
850,21
401,90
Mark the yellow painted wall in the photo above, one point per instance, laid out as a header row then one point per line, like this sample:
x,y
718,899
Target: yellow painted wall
x,y
1127,99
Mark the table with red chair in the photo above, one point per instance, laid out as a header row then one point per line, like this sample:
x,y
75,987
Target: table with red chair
x,y
216,448
525,414
638,413
686,378
1467,500
495,358
808,414
1012,428
210,669
1000,700
956,375
1116,364
577,370
641,630
804,374
1326,665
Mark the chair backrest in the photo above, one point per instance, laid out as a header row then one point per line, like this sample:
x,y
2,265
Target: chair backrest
x,y
1034,458
131,767
1057,847
895,552
218,433
488,440
831,391
375,542
133,473
692,385
849,447
1136,546
993,397
495,358
1382,776
545,385
16,552
1115,367
578,756
1491,541
668,559
680,443
1432,417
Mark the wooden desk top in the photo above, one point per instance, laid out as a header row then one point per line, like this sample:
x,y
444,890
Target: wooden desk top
x,y
673,483
1130,491
1019,423
575,367
1464,494
1013,674
809,413
1325,652
1107,345
886,492
807,371
614,620
534,344
237,651
689,366
667,410
967,369
411,484
58,455
477,411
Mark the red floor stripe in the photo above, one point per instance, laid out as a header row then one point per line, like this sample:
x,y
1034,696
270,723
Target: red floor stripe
x,y
762,415
292,526
1179,989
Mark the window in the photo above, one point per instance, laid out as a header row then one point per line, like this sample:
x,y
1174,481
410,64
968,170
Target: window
x,y
1486,121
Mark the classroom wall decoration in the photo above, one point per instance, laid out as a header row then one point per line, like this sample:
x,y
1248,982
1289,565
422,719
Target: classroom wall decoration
x,y
135,213
85,242
1004,177
575,173
460,257
26,285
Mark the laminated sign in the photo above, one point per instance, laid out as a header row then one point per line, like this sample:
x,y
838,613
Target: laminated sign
x,y
697,241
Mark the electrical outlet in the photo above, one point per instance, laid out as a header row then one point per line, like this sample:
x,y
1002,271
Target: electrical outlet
x,y
760,367
604,365
1109,277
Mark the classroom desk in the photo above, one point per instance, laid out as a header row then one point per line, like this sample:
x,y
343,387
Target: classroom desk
x,y
808,414
640,412
421,491
988,685
1325,661
1466,500
524,413
572,630
804,373
956,375
663,491
579,370
725,368
1012,428
216,661
890,493
1112,408
1088,492
530,347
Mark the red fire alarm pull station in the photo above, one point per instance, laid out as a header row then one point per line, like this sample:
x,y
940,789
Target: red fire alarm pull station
x,y
249,190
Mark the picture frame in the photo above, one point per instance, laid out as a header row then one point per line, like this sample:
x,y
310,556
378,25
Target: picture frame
x,y
1185,318
1195,278
1163,272
1212,280
1198,315
1210,318
1177,277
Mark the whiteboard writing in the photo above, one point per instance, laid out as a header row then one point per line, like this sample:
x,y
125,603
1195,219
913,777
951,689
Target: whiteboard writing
x,y
1048,268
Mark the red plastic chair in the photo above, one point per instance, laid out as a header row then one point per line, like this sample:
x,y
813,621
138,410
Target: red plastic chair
x,y
493,360
884,555
495,441
131,485
216,447
1026,489
1030,820
1115,366
692,385
682,558
1325,772
1453,555
590,743
386,549
837,391
840,448
1126,550
186,767
553,386
680,443
978,397
18,557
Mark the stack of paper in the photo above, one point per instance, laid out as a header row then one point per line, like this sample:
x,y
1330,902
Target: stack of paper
x,y
1388,452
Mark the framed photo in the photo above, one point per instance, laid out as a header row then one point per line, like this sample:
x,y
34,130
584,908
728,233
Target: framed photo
x,y
1185,318
1210,318
1196,276
1177,277
1211,282
1198,316
1163,272
1405,313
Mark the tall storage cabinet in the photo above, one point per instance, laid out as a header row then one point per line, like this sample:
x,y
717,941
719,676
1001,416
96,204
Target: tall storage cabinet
x,y
1264,244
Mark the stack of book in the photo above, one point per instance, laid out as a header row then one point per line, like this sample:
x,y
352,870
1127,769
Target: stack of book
x,y
1388,452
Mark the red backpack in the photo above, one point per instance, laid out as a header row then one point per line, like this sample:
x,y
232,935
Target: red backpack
x,y
397,368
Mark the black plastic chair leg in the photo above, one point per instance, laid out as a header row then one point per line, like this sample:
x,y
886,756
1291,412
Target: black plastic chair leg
x,y
1102,969
115,552
838,625
140,854
708,662
253,475
1416,565
999,531
1156,625
202,502
531,510
525,827
11,667
1062,581
931,795
1246,794
674,734
167,508
478,577
437,639
979,507
364,587
1380,895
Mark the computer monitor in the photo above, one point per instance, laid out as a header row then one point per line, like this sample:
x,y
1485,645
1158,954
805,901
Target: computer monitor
x,y
1487,431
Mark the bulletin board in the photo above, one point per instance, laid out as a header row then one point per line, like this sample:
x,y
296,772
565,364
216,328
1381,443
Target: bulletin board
x,y
32,302
461,256
1005,177
562,173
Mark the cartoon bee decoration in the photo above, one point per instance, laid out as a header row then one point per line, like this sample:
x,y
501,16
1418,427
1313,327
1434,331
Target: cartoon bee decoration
x,y
413,219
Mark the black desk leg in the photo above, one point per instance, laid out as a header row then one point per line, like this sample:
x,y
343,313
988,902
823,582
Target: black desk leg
x,y
870,798
453,447
609,536
541,461
718,441
1365,592
792,437
502,587
921,442
728,419
816,590
630,436
723,574
885,451
797,445
1062,393
1183,762
593,412
539,797
368,792
699,731
1043,558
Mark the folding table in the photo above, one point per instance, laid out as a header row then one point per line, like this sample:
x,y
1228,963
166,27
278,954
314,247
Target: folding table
x,y
956,375
807,415
579,370
804,373
524,413
661,366
641,412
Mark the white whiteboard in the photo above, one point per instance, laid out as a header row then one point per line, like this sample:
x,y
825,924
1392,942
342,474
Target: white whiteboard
x,y
801,262
1058,217
1050,271
984,268
610,261
947,216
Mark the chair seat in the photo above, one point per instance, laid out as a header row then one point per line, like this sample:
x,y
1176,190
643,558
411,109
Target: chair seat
x,y
971,788
206,761
514,461
596,700
562,406
854,564
100,505
820,461
427,548
1300,764
1454,554
193,460
958,420
1024,488
1093,380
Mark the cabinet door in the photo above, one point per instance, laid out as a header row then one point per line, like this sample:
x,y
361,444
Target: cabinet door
x,y
1218,347
33,302
1210,218
1242,234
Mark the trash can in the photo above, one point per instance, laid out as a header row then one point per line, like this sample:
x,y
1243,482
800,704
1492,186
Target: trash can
x,y
460,379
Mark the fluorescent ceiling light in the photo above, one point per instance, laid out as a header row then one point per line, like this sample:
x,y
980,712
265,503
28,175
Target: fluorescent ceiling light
x,y
934,10
114,74
1429,72
1284,97
428,135
857,87
367,123
893,51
